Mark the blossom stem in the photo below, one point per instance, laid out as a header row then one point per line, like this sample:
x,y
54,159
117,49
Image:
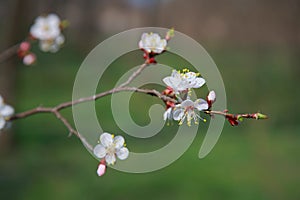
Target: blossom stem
x,y
237,116
135,74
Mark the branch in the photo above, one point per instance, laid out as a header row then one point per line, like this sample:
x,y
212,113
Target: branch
x,y
55,110
9,52
234,119
135,74
64,105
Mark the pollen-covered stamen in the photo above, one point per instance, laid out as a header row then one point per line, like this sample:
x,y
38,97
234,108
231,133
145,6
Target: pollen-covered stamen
x,y
188,110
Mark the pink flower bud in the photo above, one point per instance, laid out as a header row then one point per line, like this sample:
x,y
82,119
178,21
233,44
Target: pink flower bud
x,y
24,46
29,59
101,169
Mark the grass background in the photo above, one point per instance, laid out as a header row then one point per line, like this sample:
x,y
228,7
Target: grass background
x,y
257,160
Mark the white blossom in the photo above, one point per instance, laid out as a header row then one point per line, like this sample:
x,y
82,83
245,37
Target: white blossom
x,y
188,110
183,81
152,43
52,45
46,27
5,112
48,31
110,147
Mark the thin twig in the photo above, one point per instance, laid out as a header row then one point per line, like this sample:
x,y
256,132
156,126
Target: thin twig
x,y
55,110
9,52
86,99
237,116
135,74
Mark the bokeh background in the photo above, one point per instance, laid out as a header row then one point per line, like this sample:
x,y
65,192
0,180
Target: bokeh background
x,y
255,45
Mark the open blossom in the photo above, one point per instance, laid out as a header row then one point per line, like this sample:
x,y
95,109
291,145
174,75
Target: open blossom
x,y
188,110
5,112
48,31
110,147
152,43
46,27
52,45
183,81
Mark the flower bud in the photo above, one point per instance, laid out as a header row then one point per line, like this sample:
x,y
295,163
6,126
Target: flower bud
x,y
233,120
101,168
211,98
24,46
29,59
260,116
170,34
168,91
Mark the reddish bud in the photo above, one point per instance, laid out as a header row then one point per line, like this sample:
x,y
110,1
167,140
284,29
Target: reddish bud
x,y
151,60
232,120
168,91
24,46
170,104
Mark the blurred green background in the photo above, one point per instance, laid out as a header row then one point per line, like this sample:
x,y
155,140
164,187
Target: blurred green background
x,y
255,45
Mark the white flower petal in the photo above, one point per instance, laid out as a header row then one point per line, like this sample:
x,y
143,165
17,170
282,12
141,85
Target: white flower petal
x,y
60,40
45,45
178,114
187,103
54,48
201,104
110,159
53,19
99,151
6,110
106,139
119,141
122,153
168,114
198,82
2,123
168,81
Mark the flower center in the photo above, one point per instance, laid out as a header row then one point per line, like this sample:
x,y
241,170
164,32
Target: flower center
x,y
46,28
111,149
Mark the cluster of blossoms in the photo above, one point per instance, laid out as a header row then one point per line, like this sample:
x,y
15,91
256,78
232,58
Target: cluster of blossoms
x,y
108,149
48,31
179,86
179,106
5,112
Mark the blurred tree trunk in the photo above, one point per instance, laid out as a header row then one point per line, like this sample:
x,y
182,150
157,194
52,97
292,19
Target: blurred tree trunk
x,y
8,68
